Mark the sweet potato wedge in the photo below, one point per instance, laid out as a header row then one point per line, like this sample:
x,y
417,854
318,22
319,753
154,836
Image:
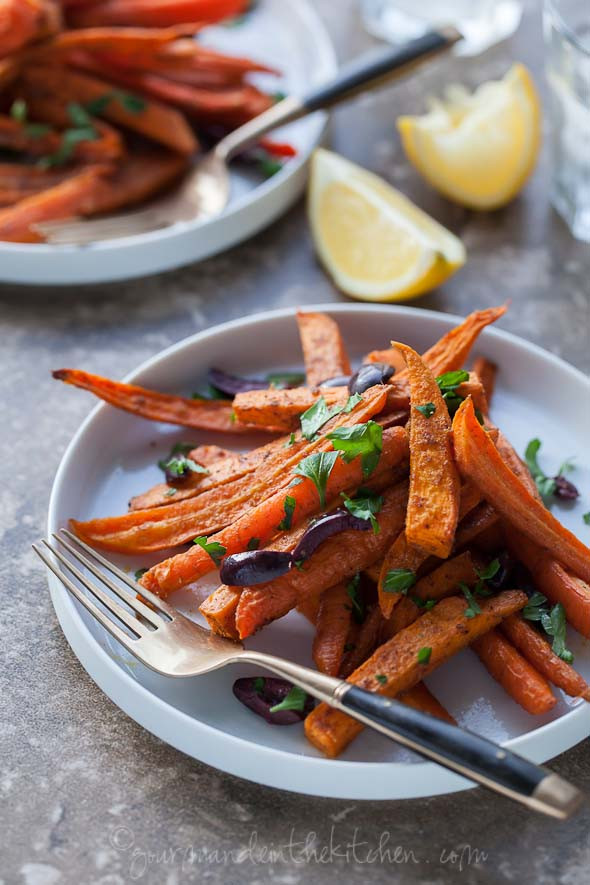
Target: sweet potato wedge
x,y
479,460
364,641
445,630
486,371
515,674
332,625
433,504
539,653
324,354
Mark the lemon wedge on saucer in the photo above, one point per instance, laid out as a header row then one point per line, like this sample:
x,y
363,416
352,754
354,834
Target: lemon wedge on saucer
x,y
375,243
478,148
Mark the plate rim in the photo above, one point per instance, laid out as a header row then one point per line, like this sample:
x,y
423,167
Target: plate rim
x,y
359,777
288,182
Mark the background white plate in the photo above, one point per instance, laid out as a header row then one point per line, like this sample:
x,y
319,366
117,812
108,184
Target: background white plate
x,y
285,34
113,456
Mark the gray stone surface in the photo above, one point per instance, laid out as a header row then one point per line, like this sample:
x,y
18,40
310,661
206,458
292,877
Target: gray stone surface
x,y
87,795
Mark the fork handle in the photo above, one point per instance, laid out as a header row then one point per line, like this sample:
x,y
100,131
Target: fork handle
x,y
371,69
457,749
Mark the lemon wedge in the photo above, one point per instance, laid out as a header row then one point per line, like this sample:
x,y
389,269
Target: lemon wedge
x,y
478,148
374,242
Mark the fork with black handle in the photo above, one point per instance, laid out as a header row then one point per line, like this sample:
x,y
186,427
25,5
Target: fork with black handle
x,y
171,644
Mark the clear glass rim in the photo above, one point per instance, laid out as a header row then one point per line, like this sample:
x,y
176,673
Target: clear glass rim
x,y
566,29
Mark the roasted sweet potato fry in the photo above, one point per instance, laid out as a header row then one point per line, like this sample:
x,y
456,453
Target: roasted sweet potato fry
x,y
538,652
486,372
364,641
433,505
445,630
420,698
155,406
324,353
153,13
332,625
479,460
282,408
445,580
514,673
60,201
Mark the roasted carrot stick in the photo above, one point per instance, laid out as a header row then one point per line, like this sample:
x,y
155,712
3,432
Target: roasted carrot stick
x,y
153,13
486,371
452,350
445,579
324,353
332,624
433,505
445,630
20,180
514,673
339,558
155,406
309,608
479,460
60,201
365,640
40,86
127,40
539,653
420,698
282,408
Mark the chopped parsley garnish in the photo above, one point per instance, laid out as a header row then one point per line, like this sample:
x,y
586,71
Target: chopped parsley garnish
x,y
365,440
381,678
281,380
480,589
364,505
317,468
399,580
268,166
294,700
448,384
553,622
177,465
18,110
82,129
586,518
140,573
424,655
169,492
215,550
320,413
287,520
132,103
428,409
358,608
557,485
473,608
426,604
290,441
258,684
253,544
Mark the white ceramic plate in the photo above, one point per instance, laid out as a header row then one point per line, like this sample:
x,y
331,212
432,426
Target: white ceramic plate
x,y
114,455
285,34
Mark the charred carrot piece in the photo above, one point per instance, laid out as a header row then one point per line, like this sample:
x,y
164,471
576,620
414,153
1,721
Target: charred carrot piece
x,y
338,559
515,674
332,624
445,630
61,201
479,460
155,406
433,504
324,353
539,653
420,698
153,13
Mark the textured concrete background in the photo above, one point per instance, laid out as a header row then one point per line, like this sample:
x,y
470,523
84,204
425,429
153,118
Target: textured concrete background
x,y
87,795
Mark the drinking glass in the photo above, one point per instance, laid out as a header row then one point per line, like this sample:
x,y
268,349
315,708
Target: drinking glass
x,y
566,27
482,22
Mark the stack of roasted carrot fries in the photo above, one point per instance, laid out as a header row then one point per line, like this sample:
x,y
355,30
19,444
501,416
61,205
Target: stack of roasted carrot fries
x,y
448,525
102,103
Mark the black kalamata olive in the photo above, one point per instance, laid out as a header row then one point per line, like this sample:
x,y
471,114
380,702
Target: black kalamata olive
x,y
368,375
338,381
254,567
565,489
261,693
323,528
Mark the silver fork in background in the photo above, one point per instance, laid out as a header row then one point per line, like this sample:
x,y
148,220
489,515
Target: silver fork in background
x,y
205,191
166,641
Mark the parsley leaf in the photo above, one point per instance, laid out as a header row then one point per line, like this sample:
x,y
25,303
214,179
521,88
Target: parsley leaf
x,y
365,440
289,508
132,103
489,571
171,491
320,413
424,654
556,485
177,465
215,550
18,110
473,608
534,607
381,678
586,518
253,544
399,580
351,402
426,604
554,624
290,441
140,573
294,700
359,611
364,506
317,468
428,409
258,684
448,384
